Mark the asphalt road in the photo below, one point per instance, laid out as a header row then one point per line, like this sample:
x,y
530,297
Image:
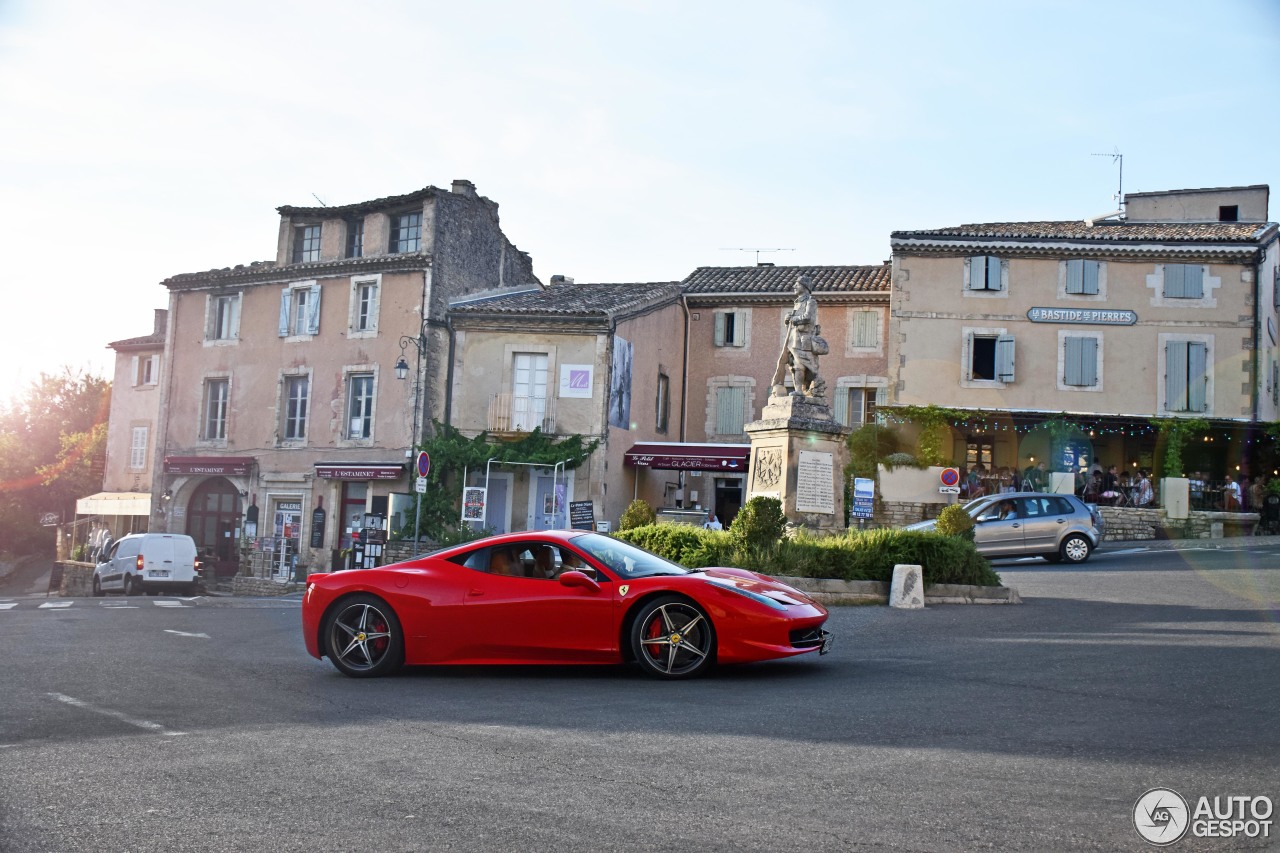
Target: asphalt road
x,y
163,724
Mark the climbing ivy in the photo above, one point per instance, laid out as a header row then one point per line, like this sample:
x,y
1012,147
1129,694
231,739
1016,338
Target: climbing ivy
x,y
1173,436
452,453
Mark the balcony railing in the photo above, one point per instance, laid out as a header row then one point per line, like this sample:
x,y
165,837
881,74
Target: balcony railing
x,y
511,413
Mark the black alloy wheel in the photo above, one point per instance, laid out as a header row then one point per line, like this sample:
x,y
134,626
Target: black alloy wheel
x,y
362,637
673,638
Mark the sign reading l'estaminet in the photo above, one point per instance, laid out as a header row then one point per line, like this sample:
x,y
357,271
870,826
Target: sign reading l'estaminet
x,y
1091,316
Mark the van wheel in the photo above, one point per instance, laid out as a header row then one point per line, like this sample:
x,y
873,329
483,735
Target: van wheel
x,y
131,586
97,587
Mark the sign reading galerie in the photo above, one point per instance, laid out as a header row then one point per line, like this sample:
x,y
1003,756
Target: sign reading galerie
x,y
815,483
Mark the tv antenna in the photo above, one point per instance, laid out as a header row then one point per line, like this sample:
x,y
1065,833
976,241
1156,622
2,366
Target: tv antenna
x,y
756,249
1117,157
317,198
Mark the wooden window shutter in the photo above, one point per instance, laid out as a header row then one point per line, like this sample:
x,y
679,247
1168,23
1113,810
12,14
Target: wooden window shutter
x,y
284,312
1004,358
719,315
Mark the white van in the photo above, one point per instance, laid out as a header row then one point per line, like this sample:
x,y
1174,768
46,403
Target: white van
x,y
148,562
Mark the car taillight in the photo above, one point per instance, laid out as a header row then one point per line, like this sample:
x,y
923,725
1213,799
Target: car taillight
x,y
141,563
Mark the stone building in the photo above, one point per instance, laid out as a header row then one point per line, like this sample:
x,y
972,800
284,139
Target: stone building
x,y
282,420
604,361
124,504
1165,309
735,335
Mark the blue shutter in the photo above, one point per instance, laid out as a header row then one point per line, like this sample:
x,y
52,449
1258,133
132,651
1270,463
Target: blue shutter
x,y
284,312
313,311
1004,358
1090,277
1088,362
729,410
1075,277
978,272
1175,376
842,406
1193,282
1197,378
1072,374
1175,281
994,269
719,339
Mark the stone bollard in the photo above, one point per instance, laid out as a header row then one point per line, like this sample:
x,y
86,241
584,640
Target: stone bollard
x,y
907,589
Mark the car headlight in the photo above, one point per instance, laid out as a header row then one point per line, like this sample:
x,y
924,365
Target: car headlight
x,y
754,596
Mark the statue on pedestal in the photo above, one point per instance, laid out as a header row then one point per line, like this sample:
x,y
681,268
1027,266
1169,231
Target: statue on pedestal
x,y
803,346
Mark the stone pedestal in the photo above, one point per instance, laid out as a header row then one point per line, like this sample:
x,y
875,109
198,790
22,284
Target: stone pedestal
x,y
798,455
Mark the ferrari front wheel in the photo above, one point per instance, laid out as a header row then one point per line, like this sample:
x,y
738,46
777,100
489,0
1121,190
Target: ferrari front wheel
x,y
363,637
673,638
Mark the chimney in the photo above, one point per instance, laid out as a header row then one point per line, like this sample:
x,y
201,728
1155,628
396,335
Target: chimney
x,y
561,279
161,322
464,187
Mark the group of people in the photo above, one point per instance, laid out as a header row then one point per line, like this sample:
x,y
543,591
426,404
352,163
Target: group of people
x,y
979,480
1112,487
1234,495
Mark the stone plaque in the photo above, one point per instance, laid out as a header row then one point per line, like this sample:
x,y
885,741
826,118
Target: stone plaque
x,y
815,483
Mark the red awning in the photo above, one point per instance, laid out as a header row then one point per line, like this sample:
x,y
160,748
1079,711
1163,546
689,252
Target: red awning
x,y
227,466
691,457
360,470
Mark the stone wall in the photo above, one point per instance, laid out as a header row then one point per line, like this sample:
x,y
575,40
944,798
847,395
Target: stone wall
x,y
77,579
902,513
262,587
1127,523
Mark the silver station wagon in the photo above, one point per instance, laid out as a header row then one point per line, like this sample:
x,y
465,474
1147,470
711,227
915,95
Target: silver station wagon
x,y
1060,528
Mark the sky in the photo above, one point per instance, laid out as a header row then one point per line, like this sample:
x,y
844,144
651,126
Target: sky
x,y
623,141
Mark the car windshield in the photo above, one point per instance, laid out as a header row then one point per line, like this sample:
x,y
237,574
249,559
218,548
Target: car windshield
x,y
626,560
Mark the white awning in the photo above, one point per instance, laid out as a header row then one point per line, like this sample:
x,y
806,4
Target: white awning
x,y
115,503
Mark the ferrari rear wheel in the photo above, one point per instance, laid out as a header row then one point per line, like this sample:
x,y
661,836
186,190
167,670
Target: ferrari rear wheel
x,y
363,637
673,638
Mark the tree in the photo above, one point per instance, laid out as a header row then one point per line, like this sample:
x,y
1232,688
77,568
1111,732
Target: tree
x,y
52,451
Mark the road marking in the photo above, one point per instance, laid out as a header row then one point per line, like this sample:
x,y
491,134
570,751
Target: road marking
x,y
186,634
119,715
119,606
1125,551
8,605
56,605
169,604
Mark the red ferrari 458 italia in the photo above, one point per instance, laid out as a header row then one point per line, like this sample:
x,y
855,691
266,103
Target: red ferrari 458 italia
x,y
555,597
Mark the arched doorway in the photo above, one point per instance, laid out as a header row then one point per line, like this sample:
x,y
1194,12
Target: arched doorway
x,y
213,515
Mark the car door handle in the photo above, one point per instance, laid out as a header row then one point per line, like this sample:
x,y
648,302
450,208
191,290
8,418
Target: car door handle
x,y
1062,521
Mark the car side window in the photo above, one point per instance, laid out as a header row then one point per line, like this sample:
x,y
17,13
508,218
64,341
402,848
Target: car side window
x,y
1031,507
1059,506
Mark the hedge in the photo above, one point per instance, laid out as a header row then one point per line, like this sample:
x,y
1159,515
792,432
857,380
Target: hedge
x,y
869,555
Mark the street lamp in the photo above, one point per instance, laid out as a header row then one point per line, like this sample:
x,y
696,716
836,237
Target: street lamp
x,y
402,371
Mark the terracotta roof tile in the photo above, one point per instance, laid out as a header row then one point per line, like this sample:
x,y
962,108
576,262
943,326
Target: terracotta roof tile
x,y
580,300
781,280
1105,231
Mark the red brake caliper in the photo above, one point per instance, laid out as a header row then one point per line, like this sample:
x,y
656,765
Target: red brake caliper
x,y
655,631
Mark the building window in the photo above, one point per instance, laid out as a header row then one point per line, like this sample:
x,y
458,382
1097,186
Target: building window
x,y
1229,213
364,305
664,402
857,406
1080,361
1183,281
1082,277
866,329
360,405
990,357
731,410
731,328
406,233
1186,376
529,391
224,317
297,390
138,448
216,394
300,310
145,370
355,238
306,243
979,450
985,273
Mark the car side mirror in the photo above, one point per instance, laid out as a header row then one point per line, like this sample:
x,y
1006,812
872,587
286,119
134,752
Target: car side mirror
x,y
579,580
